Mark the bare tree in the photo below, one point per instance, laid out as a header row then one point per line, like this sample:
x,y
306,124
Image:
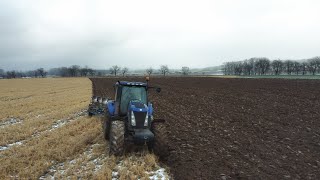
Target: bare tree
x,y
1,72
296,67
41,72
313,65
238,68
185,70
164,69
149,71
74,70
84,71
304,68
91,72
288,65
11,74
317,60
252,63
263,65
277,66
233,68
124,71
114,70
226,68
248,66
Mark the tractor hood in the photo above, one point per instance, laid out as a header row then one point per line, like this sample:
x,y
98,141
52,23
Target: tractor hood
x,y
137,106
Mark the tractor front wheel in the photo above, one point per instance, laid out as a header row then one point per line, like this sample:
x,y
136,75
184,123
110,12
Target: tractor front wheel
x,y
160,145
116,141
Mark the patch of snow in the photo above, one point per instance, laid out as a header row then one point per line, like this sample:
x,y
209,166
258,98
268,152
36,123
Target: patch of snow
x,y
58,124
115,175
2,148
59,169
10,121
158,174
18,143
54,126
74,161
53,169
62,122
98,164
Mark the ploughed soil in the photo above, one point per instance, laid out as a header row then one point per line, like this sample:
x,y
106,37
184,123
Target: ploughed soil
x,y
237,128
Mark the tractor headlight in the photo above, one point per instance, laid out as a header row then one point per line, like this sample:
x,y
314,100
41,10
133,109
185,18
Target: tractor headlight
x,y
146,120
133,119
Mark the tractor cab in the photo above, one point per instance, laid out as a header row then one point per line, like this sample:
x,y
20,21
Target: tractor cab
x,y
126,92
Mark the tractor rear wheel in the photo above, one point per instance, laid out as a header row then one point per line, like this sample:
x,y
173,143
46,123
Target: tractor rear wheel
x,y
116,142
106,127
160,145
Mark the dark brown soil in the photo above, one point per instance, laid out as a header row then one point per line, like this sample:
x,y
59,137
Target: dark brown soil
x,y
237,128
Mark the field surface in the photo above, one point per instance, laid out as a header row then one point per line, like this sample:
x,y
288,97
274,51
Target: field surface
x,y
237,128
45,133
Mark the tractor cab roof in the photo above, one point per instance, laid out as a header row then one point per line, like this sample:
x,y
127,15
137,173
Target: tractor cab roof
x,y
126,83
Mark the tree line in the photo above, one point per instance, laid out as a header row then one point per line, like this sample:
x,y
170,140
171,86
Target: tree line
x,y
20,74
72,71
78,71
164,70
264,66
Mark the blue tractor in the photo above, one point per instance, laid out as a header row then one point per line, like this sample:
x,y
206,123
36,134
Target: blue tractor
x,y
129,119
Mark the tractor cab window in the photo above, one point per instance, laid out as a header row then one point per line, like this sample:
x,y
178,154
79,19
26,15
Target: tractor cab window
x,y
132,93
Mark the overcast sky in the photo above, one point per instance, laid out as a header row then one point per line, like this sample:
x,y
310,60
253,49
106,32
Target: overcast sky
x,y
143,33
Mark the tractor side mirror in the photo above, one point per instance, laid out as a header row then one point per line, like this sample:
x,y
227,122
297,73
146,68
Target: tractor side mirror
x,y
158,90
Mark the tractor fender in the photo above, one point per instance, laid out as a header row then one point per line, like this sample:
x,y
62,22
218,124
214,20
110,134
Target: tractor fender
x,y
111,107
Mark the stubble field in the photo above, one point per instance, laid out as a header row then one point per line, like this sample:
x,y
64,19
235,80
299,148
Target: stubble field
x,y
45,133
237,128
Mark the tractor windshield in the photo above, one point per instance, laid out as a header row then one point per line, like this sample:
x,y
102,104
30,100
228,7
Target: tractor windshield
x,y
132,93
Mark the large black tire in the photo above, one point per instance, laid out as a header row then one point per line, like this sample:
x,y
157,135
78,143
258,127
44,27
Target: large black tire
x,y
116,142
160,145
106,127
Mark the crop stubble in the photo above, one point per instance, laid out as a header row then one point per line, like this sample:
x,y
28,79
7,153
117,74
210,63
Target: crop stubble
x,y
45,133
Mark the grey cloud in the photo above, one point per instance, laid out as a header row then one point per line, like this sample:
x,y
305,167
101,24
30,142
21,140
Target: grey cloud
x,y
140,37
